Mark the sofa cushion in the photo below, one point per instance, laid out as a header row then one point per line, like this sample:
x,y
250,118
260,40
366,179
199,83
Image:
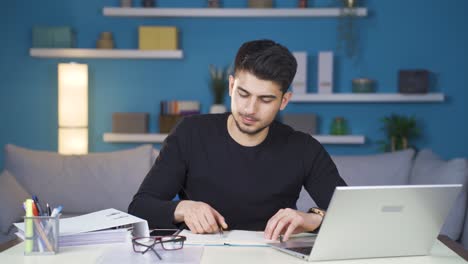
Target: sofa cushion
x,y
380,169
82,183
12,196
431,169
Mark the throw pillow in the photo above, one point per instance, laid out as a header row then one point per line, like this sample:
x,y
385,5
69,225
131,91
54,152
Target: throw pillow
x,y
391,168
12,196
380,169
431,169
83,183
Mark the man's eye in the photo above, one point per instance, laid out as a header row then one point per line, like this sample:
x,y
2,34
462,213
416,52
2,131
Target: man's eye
x,y
267,101
243,94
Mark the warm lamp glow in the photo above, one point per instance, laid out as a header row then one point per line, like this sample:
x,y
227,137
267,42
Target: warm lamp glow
x,y
73,95
73,108
73,141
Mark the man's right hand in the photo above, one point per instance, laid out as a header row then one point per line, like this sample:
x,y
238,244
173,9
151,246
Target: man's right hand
x,y
199,217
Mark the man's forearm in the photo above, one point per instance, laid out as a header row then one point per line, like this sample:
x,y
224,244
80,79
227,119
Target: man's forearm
x,y
158,213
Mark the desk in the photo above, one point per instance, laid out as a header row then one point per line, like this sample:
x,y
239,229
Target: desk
x,y
89,254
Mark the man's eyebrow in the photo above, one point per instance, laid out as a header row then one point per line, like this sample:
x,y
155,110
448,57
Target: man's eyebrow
x,y
261,96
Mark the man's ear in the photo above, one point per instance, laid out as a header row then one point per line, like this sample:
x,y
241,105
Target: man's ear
x,y
231,84
285,100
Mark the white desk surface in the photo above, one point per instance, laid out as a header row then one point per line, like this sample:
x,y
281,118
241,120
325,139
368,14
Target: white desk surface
x,y
89,254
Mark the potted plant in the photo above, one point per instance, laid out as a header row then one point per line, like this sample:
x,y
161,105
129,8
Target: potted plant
x,y
399,129
219,86
347,31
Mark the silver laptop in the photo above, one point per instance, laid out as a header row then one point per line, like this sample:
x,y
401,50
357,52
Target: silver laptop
x,y
377,221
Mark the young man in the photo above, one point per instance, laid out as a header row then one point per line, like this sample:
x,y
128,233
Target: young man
x,y
241,170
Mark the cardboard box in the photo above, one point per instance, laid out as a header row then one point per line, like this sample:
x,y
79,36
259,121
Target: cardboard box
x,y
260,3
130,123
306,123
157,38
53,37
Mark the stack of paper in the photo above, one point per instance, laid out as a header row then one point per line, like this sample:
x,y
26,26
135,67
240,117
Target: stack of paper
x,y
97,237
97,228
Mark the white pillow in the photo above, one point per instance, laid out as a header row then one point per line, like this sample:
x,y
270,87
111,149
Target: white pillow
x,y
431,169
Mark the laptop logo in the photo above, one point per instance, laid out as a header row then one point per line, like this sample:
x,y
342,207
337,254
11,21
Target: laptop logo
x,y
392,208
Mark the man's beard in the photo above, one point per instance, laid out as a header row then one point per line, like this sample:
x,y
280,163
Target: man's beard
x,y
247,131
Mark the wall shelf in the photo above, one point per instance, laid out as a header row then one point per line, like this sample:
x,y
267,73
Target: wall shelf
x,y
229,12
368,98
106,53
159,138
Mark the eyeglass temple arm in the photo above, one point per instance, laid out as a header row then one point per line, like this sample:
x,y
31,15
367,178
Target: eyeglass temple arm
x,y
152,248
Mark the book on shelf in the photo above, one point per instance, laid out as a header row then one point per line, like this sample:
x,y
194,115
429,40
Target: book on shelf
x,y
183,108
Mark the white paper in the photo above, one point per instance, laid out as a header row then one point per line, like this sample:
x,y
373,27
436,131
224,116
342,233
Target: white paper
x,y
100,220
233,238
124,254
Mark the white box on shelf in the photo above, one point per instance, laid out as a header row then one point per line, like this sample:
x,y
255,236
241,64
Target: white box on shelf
x,y
299,84
325,72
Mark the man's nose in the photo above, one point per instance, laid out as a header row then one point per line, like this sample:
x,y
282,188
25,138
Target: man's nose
x,y
250,106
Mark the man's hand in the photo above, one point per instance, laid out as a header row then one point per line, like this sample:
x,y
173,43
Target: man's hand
x,y
289,221
199,217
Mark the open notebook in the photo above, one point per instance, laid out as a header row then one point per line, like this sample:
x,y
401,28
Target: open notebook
x,y
229,238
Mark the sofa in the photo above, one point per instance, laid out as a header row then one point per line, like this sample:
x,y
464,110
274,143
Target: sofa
x,y
96,181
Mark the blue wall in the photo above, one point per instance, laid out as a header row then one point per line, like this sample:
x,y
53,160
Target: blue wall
x,y
397,34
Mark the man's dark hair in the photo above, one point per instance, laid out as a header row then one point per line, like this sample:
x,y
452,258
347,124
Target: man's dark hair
x,y
267,60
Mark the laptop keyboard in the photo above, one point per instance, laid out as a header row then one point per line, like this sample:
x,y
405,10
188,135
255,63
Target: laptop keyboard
x,y
302,250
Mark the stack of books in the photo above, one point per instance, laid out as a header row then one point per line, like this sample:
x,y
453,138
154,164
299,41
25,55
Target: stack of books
x,y
172,112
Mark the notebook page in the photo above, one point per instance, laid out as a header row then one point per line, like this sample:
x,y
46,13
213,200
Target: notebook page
x,y
233,237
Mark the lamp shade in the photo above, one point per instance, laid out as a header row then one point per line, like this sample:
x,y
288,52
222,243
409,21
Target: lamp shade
x,y
73,141
73,108
73,95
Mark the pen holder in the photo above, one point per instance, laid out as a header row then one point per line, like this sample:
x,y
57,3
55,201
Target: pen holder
x,y
41,235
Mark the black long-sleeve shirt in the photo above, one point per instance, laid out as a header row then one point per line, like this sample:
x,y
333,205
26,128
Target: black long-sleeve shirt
x,y
200,161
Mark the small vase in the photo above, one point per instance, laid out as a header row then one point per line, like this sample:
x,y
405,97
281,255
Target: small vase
x,y
126,3
148,3
339,127
106,41
302,4
363,85
214,3
217,109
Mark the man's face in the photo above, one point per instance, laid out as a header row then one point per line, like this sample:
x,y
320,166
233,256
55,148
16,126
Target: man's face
x,y
255,102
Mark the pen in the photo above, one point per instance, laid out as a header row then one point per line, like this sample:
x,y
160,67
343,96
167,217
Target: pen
x,y
56,211
34,208
48,209
38,205
181,228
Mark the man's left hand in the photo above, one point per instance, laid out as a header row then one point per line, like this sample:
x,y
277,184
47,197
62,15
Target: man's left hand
x,y
289,221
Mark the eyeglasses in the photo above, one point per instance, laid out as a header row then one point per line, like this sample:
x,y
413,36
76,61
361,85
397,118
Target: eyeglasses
x,y
145,244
